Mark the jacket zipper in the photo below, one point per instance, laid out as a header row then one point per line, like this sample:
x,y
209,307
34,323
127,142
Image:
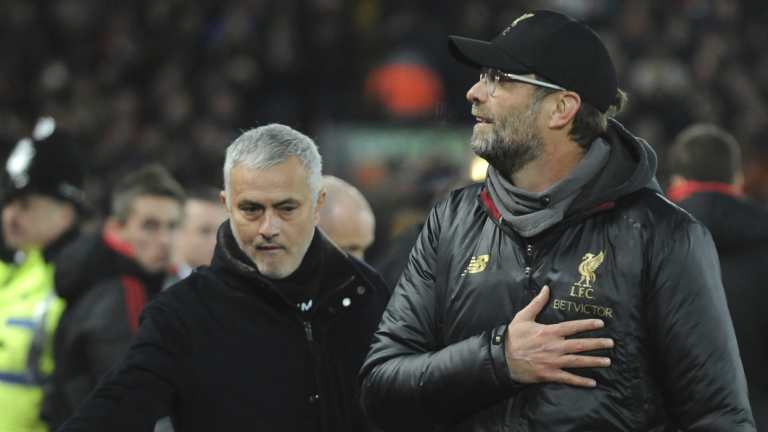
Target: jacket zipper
x,y
309,334
308,331
306,323
529,253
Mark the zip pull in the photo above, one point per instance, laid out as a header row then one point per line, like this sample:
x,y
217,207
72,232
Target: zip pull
x,y
308,331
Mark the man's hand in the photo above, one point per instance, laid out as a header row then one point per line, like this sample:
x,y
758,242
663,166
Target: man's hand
x,y
539,353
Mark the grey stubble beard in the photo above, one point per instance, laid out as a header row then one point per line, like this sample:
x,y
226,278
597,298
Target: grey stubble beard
x,y
512,143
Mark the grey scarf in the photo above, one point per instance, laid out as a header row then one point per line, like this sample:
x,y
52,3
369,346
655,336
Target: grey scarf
x,y
532,213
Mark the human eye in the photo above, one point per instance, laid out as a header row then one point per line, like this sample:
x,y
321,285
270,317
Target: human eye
x,y
250,209
288,209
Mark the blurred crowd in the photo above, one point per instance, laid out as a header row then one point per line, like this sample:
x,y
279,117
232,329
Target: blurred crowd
x,y
174,81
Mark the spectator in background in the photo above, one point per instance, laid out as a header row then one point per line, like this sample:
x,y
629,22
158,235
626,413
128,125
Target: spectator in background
x,y
756,167
347,218
706,177
196,237
270,336
106,278
42,205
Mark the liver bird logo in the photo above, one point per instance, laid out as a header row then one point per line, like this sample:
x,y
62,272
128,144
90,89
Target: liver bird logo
x,y
588,267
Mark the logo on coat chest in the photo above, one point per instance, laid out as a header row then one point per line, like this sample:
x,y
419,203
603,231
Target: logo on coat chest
x,y
477,264
587,269
582,292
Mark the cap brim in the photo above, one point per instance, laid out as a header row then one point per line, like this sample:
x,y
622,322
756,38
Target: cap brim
x,y
479,53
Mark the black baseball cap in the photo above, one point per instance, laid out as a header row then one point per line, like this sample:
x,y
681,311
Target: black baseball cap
x,y
551,45
49,162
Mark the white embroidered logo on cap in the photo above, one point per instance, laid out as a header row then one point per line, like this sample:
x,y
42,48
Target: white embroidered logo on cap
x,y
514,23
19,161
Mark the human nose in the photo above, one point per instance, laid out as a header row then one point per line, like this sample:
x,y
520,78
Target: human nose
x,y
270,225
165,236
477,93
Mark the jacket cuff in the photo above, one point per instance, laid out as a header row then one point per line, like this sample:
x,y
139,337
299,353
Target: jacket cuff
x,y
499,360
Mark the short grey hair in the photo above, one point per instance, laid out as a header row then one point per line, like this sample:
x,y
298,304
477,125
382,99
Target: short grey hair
x,y
270,145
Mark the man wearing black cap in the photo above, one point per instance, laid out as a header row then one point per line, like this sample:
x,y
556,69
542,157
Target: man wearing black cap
x,y
565,293
42,202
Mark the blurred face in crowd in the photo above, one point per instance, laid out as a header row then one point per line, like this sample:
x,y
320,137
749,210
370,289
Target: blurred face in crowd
x,y
35,221
350,225
506,133
196,238
149,229
272,215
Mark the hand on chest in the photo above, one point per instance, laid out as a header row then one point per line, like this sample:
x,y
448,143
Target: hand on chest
x,y
588,278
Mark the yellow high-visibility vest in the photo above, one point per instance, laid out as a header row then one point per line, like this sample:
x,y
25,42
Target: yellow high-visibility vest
x,y
29,313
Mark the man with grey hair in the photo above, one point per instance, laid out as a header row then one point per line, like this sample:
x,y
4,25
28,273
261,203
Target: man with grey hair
x,y
347,218
271,335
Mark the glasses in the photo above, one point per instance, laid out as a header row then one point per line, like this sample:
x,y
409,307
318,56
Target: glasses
x,y
491,77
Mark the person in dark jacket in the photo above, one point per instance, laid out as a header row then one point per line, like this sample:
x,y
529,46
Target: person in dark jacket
x,y
706,175
565,293
271,335
107,278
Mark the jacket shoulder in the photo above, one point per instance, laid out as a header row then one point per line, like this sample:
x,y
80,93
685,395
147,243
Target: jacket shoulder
x,y
463,197
185,291
462,201
99,294
653,209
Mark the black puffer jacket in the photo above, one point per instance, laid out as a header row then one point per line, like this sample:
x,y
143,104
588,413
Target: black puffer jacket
x,y
740,231
224,350
438,356
105,290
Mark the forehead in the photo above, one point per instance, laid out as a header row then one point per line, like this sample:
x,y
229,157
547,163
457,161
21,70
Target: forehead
x,y
198,207
36,200
155,206
200,212
349,225
353,231
286,180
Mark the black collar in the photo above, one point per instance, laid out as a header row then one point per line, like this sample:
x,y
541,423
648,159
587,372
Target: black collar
x,y
323,267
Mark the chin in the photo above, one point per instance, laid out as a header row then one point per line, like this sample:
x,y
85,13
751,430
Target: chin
x,y
270,271
275,274
480,145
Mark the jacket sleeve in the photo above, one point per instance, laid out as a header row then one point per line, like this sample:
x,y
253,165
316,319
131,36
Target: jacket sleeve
x,y
410,380
698,358
140,390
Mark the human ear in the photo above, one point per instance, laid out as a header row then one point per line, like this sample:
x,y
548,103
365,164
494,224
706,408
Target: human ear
x,y
564,110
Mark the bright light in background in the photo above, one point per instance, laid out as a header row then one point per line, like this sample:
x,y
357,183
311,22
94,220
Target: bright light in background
x,y
477,169
44,128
